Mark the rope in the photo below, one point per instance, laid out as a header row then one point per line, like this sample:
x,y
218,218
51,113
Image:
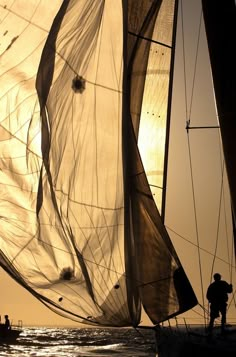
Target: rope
x,y
189,149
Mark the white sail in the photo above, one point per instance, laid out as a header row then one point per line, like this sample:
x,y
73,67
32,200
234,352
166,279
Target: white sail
x,y
53,244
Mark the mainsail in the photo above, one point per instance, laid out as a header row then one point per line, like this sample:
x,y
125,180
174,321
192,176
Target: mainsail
x,y
79,225
220,28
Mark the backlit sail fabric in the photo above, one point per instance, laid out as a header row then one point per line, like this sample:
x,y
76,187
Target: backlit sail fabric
x,y
79,226
153,123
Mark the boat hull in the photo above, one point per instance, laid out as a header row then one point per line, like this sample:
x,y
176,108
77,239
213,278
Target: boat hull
x,y
194,341
9,336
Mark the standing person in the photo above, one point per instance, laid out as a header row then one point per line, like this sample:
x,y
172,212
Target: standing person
x,y
7,323
217,295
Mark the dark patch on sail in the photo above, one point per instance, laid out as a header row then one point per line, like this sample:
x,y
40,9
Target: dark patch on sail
x,y
141,22
85,272
78,84
43,84
184,291
47,63
67,274
12,41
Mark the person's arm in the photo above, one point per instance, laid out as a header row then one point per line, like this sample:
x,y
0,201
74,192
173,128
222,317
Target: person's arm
x,y
208,294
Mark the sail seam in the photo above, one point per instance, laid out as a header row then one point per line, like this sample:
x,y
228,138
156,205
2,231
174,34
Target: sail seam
x,y
149,39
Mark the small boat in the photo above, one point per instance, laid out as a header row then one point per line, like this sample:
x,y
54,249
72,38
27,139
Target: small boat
x,y
9,336
109,215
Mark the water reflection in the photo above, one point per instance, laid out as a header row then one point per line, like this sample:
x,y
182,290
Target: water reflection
x,y
66,342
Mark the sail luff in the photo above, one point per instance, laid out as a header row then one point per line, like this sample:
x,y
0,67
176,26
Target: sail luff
x,y
169,107
134,301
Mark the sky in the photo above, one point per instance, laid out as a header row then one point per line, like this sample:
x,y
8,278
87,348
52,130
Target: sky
x,y
21,305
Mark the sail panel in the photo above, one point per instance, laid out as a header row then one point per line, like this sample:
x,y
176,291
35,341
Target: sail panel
x,y
62,216
164,287
153,123
160,276
221,33
150,80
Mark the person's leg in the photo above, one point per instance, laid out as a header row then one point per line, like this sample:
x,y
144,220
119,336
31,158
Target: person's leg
x,y
212,318
223,317
211,324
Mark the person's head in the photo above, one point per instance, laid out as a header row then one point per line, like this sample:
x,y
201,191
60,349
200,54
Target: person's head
x,y
6,316
217,276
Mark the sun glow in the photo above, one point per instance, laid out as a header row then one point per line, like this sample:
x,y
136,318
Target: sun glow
x,y
151,144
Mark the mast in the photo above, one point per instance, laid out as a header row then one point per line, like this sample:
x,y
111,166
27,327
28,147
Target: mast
x,y
169,111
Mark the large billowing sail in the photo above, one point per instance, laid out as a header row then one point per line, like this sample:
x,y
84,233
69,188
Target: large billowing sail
x,y
79,226
220,29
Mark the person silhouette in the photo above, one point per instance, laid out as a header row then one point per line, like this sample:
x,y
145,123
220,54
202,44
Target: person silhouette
x,y
217,295
7,323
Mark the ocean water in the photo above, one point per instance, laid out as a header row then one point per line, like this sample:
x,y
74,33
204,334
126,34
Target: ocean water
x,y
68,342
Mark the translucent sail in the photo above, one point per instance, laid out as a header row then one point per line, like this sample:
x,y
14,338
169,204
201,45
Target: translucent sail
x,y
164,288
79,226
154,115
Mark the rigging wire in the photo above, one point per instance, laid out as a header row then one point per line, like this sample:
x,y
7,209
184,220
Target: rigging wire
x,y
196,223
188,109
202,249
188,115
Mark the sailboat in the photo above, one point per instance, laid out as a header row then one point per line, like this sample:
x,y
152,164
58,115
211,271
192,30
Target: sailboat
x,y
10,336
85,137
